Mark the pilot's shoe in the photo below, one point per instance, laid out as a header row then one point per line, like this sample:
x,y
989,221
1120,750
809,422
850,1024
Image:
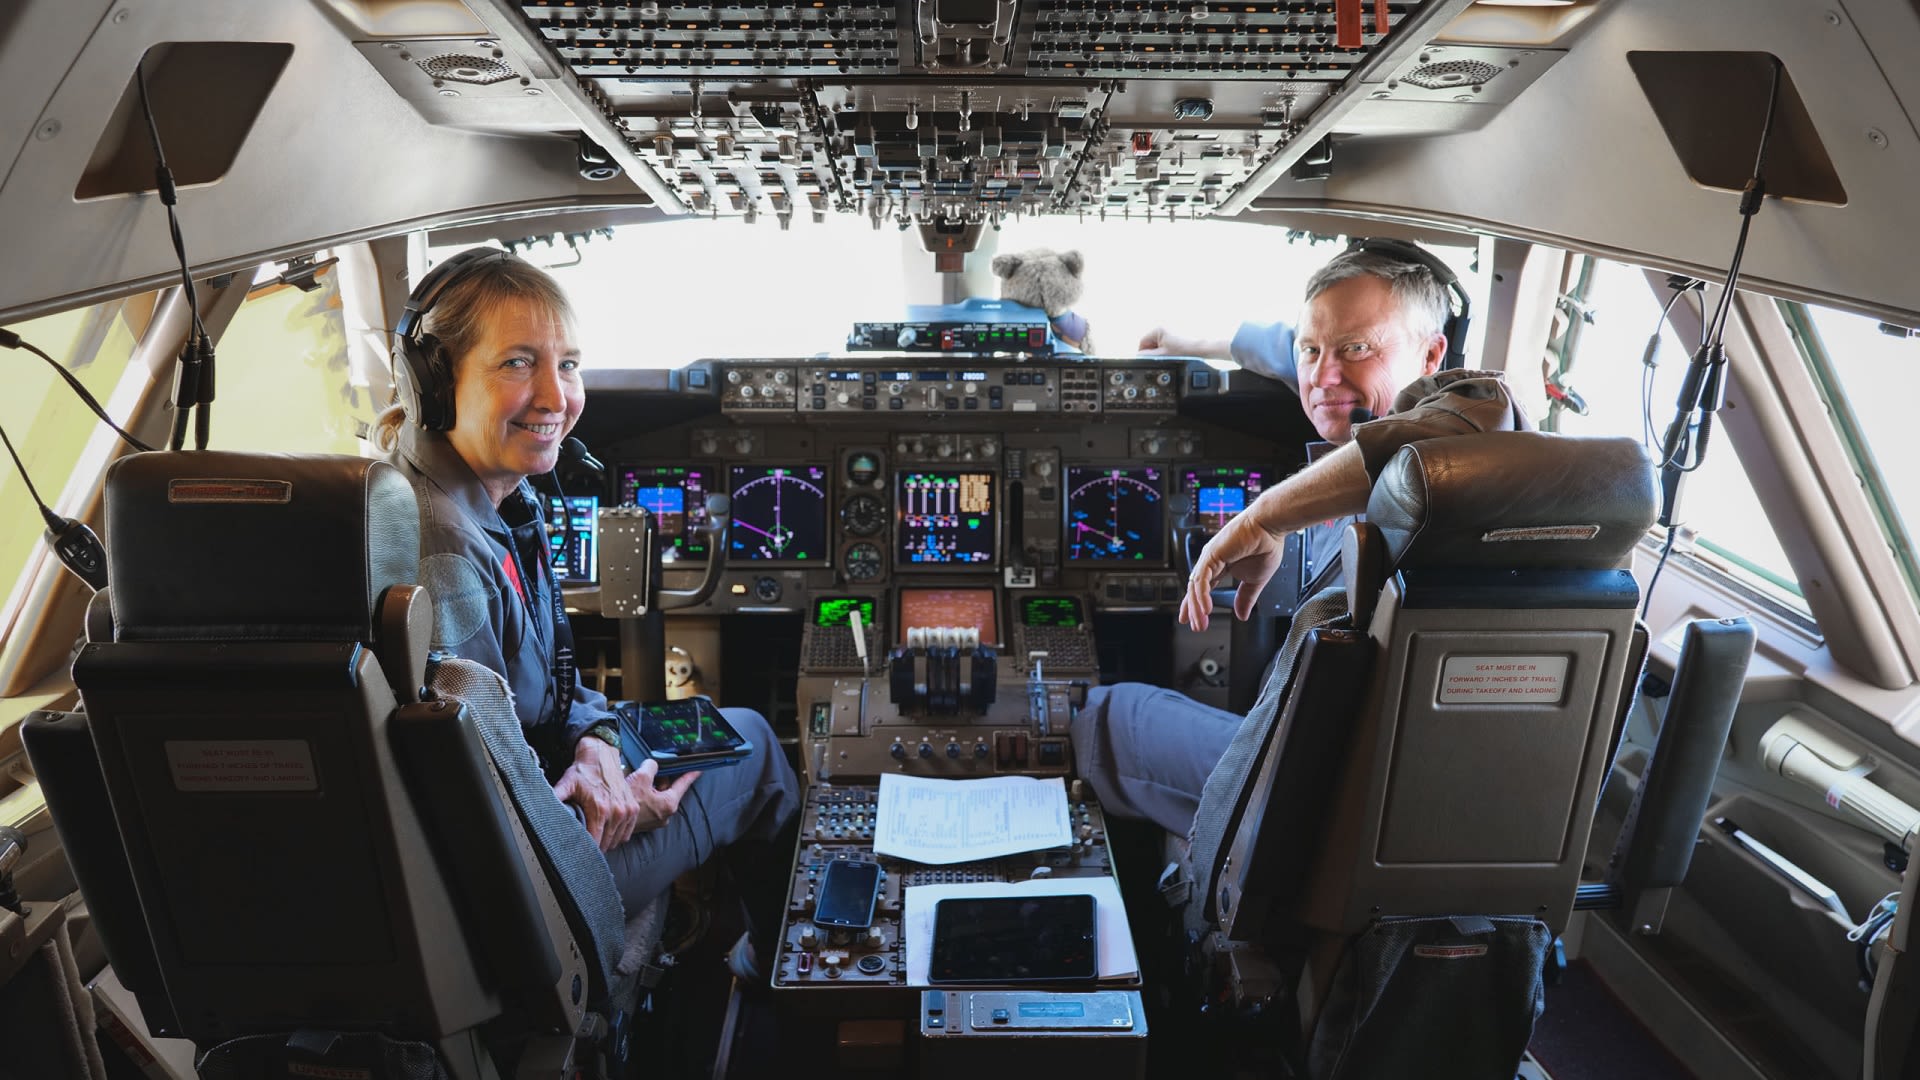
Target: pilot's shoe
x,y
744,962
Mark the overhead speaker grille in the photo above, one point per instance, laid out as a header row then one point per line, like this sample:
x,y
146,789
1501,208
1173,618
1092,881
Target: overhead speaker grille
x,y
1451,73
465,68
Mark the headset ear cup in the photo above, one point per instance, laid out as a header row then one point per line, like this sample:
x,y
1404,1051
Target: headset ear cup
x,y
436,391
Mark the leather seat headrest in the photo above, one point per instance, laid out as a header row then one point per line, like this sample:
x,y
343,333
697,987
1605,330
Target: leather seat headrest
x,y
1517,499
262,547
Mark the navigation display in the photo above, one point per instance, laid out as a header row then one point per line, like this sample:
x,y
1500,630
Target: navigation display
x,y
946,518
837,610
573,563
1116,515
1050,611
779,514
677,498
949,607
1221,492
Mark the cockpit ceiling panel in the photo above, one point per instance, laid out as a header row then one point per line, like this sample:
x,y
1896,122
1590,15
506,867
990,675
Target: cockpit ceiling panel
x,y
963,110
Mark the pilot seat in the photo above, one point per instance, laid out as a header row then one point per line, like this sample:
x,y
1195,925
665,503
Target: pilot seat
x,y
297,855
1396,834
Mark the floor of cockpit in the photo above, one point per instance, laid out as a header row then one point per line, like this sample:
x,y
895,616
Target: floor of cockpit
x,y
1587,1034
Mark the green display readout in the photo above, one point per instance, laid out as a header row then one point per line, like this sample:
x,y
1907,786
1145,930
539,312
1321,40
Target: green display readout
x,y
835,610
1050,611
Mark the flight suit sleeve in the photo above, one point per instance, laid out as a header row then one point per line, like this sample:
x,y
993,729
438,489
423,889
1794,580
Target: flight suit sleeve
x,y
1445,403
1266,349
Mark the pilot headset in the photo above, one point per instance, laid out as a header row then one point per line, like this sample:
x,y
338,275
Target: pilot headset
x,y
422,370
1457,321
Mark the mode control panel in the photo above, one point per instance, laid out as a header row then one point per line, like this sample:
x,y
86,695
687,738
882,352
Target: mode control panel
x,y
757,388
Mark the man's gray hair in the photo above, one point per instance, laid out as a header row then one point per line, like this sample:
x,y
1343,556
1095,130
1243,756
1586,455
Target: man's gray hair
x,y
1422,299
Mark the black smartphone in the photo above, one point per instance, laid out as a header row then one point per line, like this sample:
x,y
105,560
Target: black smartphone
x,y
678,736
1007,939
849,889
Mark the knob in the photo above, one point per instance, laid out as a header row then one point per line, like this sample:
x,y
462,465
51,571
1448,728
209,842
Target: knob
x,y
874,939
933,397
1086,833
1043,468
926,751
980,751
1163,378
893,389
1152,445
842,397
746,391
709,445
972,389
1187,446
953,750
944,450
1130,392
905,337
809,938
1117,377
899,752
919,446
743,445
901,446
781,377
733,376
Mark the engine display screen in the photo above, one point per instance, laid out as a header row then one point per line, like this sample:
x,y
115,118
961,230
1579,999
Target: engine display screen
x,y
676,496
572,550
950,607
838,610
1116,515
1050,611
779,514
945,518
1221,492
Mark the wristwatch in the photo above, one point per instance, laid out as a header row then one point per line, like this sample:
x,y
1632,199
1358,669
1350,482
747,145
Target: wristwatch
x,y
605,732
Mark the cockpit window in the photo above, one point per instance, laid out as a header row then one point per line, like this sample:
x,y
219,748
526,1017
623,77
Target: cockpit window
x,y
663,294
1870,372
50,427
1623,396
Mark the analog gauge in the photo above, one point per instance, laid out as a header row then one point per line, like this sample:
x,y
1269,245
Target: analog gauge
x,y
862,468
863,515
863,562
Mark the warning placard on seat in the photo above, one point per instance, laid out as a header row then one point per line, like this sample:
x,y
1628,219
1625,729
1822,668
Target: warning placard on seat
x,y
1473,680
242,765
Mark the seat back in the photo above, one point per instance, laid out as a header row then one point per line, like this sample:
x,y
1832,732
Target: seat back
x,y
296,841
1449,756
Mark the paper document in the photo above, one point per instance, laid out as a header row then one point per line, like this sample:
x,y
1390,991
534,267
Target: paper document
x,y
1113,938
950,821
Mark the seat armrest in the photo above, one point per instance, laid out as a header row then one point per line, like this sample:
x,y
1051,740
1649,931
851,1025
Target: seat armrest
x,y
450,780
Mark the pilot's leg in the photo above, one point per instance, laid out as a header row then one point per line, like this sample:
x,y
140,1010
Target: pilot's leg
x,y
747,804
1147,751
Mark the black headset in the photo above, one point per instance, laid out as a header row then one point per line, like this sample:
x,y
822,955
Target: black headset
x,y
1457,321
422,370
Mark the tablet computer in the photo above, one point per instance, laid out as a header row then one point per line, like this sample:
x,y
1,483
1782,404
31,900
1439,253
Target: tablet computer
x,y
1014,939
678,736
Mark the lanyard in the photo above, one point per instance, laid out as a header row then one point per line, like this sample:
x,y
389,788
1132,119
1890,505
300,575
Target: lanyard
x,y
562,668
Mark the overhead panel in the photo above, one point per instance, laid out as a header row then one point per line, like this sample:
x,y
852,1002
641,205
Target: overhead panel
x,y
964,111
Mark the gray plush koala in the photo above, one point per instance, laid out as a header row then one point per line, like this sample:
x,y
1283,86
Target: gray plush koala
x,y
1048,280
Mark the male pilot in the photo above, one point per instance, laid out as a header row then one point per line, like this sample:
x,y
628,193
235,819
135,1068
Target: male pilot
x,y
1370,338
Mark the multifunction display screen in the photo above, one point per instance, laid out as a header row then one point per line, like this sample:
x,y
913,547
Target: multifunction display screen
x,y
779,514
1116,515
676,496
946,518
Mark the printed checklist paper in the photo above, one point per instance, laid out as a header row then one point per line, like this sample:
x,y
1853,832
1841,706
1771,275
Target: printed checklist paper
x,y
938,822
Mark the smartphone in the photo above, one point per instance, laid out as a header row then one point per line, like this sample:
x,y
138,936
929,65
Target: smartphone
x,y
678,736
849,889
1012,939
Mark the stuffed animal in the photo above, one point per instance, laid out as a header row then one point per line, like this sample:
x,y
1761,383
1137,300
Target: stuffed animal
x,y
683,675
1048,280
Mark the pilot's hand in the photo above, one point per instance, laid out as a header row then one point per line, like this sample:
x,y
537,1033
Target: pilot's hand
x,y
1243,549
1152,343
657,805
607,803
1160,341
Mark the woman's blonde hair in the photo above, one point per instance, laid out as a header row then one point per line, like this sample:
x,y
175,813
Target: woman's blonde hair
x,y
457,319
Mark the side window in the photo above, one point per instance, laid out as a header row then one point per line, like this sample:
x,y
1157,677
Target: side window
x,y
48,425
1625,397
285,382
1870,372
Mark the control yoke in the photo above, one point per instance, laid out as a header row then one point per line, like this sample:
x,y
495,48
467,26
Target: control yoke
x,y
719,513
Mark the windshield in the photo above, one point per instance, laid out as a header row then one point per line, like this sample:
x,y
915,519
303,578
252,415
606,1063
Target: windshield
x,y
663,294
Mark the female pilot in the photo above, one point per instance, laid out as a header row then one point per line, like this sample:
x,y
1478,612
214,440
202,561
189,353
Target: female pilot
x,y
488,374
